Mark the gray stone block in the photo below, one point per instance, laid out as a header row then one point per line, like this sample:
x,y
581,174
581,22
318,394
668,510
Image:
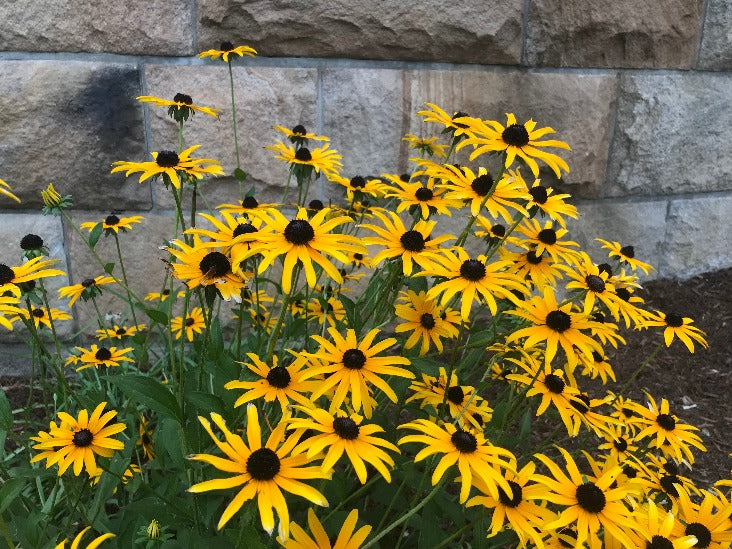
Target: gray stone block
x,y
66,123
623,33
578,106
672,135
471,31
145,27
264,97
698,235
716,44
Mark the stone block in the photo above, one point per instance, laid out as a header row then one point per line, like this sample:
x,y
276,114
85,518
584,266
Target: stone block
x,y
698,235
672,135
471,31
716,43
66,123
640,224
12,229
578,106
264,97
624,33
143,27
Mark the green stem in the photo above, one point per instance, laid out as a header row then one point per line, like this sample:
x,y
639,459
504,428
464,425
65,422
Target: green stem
x,y
280,319
124,276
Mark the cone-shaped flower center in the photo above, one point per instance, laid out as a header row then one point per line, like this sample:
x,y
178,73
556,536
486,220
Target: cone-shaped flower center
x,y
346,428
465,442
482,184
597,357
623,293
183,98
667,483
534,259
581,403
674,320
190,321
31,242
472,270
539,194
103,354
590,497
547,236
111,220
299,130
595,283
516,497
226,46
215,265
424,194
354,359
249,203
357,182
6,274
120,331
605,268
498,230
316,205
459,114
243,228
628,251
554,383
412,241
659,542
621,445
263,464
455,394
39,313
303,154
701,532
666,422
299,232
427,321
278,377
559,321
671,468
82,438
88,282
516,135
167,159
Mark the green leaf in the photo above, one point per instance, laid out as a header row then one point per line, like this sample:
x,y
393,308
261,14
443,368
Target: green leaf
x,y
352,314
95,233
240,174
205,403
10,490
168,437
158,316
108,268
6,414
150,393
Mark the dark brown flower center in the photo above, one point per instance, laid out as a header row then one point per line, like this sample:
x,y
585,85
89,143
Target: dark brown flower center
x,y
31,242
465,442
82,438
700,532
278,377
659,542
111,220
459,114
215,265
412,241
88,282
263,464
226,46
605,268
621,445
667,483
299,130
354,359
6,274
346,428
590,497
167,159
482,184
554,383
623,293
666,422
455,394
299,232
103,354
427,321
357,182
547,236
516,495
473,270
39,313
581,403
674,320
120,331
516,135
190,321
249,203
534,259
243,228
316,205
183,98
595,283
303,154
539,194
423,194
628,251
559,321
498,230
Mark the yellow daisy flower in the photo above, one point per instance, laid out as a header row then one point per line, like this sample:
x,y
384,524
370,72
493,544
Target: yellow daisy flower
x,y
347,538
180,108
88,288
9,305
41,316
677,326
5,190
99,356
299,135
438,116
412,195
32,269
194,323
427,146
118,332
228,49
426,320
322,159
113,224
625,254
76,544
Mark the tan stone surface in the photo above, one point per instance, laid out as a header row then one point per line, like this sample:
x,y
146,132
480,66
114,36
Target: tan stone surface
x,y
264,97
66,123
470,31
672,135
147,27
622,33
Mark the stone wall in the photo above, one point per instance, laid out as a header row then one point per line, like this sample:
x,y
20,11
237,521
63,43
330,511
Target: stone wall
x,y
641,90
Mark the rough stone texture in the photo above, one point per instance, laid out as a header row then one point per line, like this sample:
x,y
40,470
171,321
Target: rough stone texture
x,y
147,27
698,236
142,259
672,135
264,97
716,45
362,115
623,33
471,31
12,229
640,224
578,107
66,123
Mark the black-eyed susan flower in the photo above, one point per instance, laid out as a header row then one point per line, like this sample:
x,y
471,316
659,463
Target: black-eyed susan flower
x,y
618,444
666,431
33,246
162,296
428,197
415,245
588,503
546,239
86,289
328,310
555,325
42,315
517,508
656,528
339,433
284,383
97,356
118,332
180,108
5,190
475,280
261,471
303,241
427,146
194,323
227,232
522,140
593,281
675,325
546,201
171,165
597,365
437,115
33,269
584,412
346,539
76,544
76,441
463,404
199,265
350,364
299,135
539,269
372,186
228,49
9,306
112,224
426,321
604,330
708,521
145,440
248,207
474,455
626,255
323,159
